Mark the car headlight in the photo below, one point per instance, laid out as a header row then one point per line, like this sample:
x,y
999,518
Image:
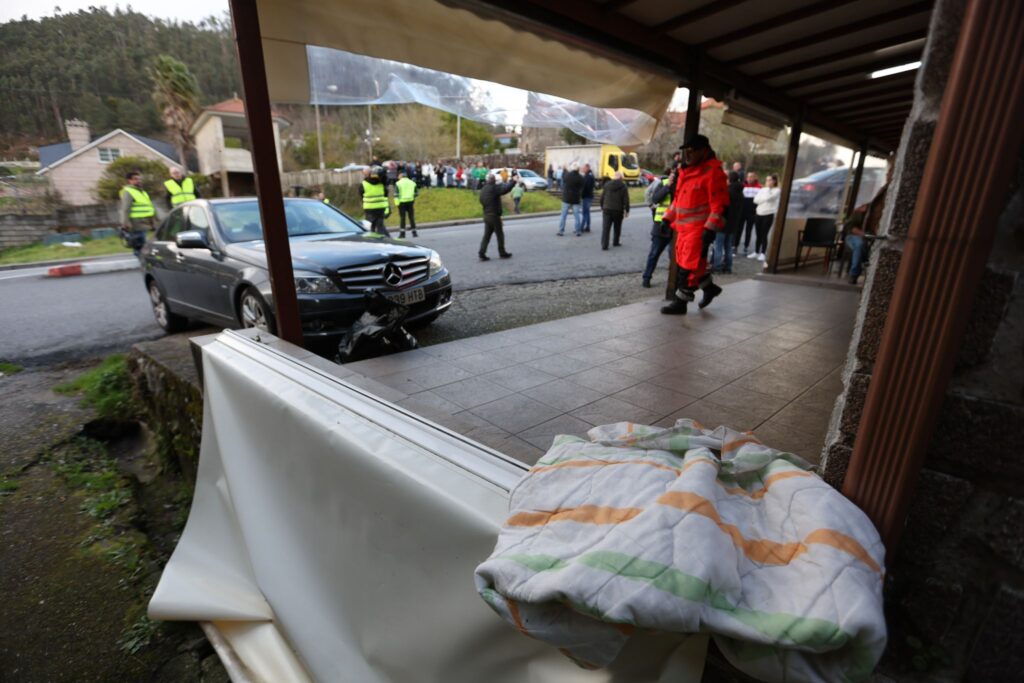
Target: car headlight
x,y
435,264
314,283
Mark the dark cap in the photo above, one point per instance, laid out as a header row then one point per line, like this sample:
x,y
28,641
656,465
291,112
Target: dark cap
x,y
696,142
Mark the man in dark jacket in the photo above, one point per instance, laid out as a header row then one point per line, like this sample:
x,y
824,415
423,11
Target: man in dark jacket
x,y
490,199
586,196
614,207
733,223
661,232
572,188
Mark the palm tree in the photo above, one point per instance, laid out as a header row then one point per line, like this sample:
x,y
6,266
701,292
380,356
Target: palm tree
x,y
176,94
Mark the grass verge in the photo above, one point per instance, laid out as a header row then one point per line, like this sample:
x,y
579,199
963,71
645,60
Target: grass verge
x,y
9,368
32,253
107,388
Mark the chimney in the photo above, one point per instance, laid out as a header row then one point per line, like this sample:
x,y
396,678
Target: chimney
x,y
78,133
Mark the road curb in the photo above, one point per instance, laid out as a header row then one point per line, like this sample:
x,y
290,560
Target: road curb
x,y
58,262
72,269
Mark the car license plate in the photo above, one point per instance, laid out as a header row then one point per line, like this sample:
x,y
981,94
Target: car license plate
x,y
413,296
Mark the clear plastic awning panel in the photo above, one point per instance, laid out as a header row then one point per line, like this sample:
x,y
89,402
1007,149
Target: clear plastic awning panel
x,y
343,78
468,59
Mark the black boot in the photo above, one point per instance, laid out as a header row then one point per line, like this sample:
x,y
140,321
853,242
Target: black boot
x,y
676,307
711,290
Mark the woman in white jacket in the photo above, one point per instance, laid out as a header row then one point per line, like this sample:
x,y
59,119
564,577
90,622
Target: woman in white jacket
x,y
766,202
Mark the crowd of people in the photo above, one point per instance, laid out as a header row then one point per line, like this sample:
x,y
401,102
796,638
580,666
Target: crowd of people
x,y
442,173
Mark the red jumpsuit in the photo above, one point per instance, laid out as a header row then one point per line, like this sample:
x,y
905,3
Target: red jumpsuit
x,y
702,194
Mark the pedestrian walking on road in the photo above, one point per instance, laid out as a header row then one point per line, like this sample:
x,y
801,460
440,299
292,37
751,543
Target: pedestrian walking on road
x,y
586,196
405,197
661,231
517,196
697,213
490,200
766,202
374,193
572,187
614,208
137,212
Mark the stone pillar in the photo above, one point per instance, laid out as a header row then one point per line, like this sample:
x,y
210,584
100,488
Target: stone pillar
x,y
955,585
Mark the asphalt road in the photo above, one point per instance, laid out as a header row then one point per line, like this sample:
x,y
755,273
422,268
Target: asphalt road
x,y
50,319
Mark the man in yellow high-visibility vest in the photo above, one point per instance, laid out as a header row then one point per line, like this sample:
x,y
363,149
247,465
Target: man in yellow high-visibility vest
x,y
374,194
405,197
137,211
179,190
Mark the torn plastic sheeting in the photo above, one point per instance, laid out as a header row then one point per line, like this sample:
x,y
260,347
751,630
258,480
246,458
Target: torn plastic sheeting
x,y
351,529
337,77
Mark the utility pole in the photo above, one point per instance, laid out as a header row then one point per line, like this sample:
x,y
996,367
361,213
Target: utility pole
x,y
319,139
458,136
369,109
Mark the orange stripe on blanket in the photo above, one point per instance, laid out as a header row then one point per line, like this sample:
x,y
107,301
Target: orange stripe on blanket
x,y
733,445
603,463
841,541
760,493
586,514
764,551
514,611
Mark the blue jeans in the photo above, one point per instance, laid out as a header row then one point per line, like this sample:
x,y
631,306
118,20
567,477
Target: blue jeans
x,y
658,245
723,253
585,218
575,214
856,246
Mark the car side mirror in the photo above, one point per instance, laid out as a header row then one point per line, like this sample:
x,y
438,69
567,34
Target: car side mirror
x,y
192,239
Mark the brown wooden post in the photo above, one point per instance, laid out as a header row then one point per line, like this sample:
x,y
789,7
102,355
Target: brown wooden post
x,y
949,241
691,127
245,21
787,185
851,198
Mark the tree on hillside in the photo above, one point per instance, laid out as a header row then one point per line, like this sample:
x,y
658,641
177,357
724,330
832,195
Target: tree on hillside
x,y
477,138
413,132
176,94
113,179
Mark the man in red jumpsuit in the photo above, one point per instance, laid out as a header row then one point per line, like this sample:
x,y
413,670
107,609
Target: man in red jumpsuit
x,y
696,214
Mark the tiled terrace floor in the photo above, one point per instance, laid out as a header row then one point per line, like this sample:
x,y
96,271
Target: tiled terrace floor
x,y
765,357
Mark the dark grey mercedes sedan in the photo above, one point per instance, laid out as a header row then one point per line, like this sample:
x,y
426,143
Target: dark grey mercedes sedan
x,y
207,262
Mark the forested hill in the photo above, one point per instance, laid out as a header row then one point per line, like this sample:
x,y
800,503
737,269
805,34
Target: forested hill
x,y
93,65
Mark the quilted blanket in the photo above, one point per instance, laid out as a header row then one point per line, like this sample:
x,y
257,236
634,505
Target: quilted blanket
x,y
689,530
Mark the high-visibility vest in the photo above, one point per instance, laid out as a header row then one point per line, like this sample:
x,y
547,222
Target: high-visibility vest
x,y
142,206
185,192
374,196
659,212
406,190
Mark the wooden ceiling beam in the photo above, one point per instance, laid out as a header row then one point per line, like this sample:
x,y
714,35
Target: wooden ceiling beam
x,y
845,54
837,32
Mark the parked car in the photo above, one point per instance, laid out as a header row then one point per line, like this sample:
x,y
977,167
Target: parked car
x,y
532,181
647,176
207,262
821,193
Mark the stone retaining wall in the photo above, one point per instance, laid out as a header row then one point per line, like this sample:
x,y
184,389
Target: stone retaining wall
x,y
19,229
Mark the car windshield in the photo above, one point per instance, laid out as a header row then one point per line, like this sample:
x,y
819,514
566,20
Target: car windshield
x,y
527,174
629,161
240,221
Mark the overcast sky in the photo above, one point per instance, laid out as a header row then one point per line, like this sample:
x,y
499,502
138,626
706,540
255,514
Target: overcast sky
x,y
181,10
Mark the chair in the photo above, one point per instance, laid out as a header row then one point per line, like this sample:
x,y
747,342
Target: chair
x,y
819,233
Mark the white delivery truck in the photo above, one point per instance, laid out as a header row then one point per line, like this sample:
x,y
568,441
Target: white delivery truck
x,y
604,160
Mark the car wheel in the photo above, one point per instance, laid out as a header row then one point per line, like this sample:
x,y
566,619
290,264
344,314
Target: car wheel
x,y
253,311
168,321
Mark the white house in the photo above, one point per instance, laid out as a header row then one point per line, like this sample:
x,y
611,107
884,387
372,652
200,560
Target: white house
x,y
75,166
222,141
